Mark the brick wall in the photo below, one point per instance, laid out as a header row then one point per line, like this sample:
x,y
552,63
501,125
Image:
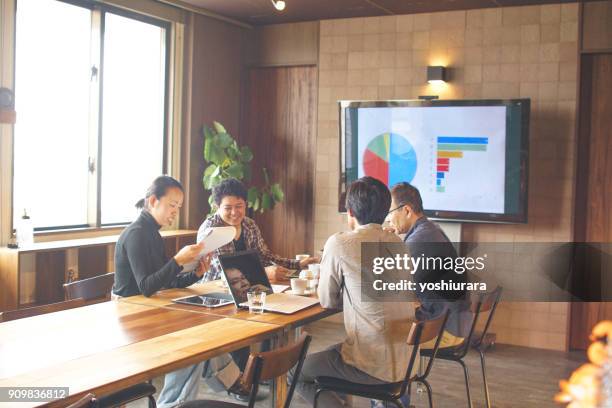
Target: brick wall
x,y
511,52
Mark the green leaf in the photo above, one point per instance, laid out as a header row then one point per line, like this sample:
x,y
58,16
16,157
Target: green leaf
x,y
216,171
211,203
213,181
209,170
219,127
252,194
235,170
266,202
213,153
277,192
247,172
224,140
246,155
256,204
207,132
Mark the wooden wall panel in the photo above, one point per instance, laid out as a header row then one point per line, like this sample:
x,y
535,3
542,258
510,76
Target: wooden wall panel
x,y
213,77
284,45
50,277
92,261
594,190
279,125
597,27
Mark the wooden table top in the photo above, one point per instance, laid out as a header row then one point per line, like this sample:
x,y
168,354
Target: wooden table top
x,y
164,299
108,346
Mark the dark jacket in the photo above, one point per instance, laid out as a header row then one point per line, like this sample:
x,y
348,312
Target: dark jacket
x,y
427,239
141,264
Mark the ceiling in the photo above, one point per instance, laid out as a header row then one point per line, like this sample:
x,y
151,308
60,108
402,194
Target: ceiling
x,y
262,12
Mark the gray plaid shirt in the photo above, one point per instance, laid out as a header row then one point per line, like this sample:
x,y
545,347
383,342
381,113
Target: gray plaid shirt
x,y
252,240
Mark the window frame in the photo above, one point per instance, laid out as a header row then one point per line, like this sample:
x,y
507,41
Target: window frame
x,y
98,17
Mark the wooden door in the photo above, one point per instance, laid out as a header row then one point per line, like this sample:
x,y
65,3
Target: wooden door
x,y
594,181
279,124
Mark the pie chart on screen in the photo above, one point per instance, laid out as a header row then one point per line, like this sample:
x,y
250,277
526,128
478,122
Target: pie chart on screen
x,y
390,158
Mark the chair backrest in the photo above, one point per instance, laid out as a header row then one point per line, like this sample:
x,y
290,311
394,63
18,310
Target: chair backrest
x,y
486,302
88,401
96,288
39,310
421,332
271,364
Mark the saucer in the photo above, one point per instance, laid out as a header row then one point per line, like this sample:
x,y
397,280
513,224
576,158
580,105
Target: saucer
x,y
304,293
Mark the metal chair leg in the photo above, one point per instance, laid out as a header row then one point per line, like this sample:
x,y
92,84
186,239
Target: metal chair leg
x,y
484,378
316,398
429,393
467,381
421,369
398,404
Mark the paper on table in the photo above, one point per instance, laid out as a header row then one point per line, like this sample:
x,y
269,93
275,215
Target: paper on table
x,y
279,288
214,237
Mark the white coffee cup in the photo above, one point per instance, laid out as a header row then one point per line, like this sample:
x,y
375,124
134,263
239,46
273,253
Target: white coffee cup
x,y
299,285
315,269
306,274
299,257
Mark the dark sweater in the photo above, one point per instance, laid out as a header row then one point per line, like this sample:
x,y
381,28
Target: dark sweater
x,y
141,264
427,239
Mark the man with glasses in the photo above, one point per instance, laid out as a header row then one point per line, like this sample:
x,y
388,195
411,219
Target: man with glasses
x,y
425,238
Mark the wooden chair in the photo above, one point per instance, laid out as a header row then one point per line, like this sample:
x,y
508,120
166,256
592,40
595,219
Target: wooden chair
x,y
88,401
484,303
394,393
98,289
262,367
93,289
39,310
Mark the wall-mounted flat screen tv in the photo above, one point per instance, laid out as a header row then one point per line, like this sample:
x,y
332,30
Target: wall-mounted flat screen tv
x,y
468,158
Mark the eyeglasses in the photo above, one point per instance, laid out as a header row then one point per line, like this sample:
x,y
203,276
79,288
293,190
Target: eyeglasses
x,y
396,208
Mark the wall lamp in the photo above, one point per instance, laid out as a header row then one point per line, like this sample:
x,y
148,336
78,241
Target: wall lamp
x,y
436,74
278,4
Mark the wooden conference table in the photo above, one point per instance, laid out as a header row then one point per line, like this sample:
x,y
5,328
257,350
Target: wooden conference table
x,y
108,346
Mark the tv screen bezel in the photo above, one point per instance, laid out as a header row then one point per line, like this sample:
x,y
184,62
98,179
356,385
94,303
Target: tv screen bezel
x,y
452,216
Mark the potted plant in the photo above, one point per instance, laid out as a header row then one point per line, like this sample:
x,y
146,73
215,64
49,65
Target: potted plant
x,y
226,159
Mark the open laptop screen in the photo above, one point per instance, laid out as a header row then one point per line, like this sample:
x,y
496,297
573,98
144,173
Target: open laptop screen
x,y
243,272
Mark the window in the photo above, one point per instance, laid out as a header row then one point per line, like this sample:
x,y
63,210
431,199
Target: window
x,y
91,92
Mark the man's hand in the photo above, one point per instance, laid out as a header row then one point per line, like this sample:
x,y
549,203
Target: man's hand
x,y
277,273
203,265
307,261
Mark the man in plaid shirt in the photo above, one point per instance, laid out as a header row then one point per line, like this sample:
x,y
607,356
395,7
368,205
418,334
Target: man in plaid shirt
x,y
231,199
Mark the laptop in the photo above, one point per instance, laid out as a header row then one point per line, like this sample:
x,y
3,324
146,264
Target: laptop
x,y
244,271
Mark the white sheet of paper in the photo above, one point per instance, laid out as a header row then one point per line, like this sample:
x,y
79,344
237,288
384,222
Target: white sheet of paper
x,y
214,238
279,288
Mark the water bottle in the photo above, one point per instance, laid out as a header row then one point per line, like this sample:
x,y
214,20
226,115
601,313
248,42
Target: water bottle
x,y
25,230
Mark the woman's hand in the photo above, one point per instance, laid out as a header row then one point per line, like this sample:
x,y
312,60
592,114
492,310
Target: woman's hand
x,y
188,253
277,273
307,261
203,265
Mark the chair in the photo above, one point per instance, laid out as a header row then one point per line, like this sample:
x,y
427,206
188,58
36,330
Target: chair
x,y
127,395
93,289
262,367
484,303
88,401
420,332
98,289
39,310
